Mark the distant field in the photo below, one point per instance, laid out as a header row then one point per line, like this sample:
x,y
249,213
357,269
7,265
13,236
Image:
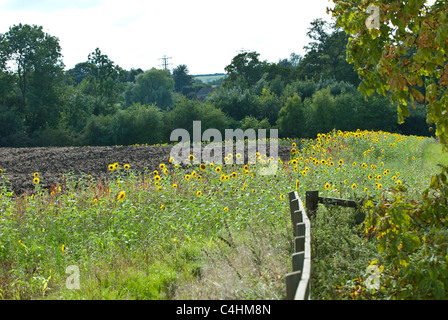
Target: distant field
x,y
206,78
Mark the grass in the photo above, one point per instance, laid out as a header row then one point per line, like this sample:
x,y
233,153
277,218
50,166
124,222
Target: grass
x,y
434,155
218,234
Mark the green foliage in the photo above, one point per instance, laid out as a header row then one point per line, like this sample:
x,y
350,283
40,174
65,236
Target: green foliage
x,y
326,54
403,54
186,111
35,60
235,102
291,121
102,83
244,70
38,100
414,235
151,87
137,124
253,123
181,78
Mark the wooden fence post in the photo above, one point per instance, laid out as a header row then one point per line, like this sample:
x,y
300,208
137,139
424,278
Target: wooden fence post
x,y
312,200
298,281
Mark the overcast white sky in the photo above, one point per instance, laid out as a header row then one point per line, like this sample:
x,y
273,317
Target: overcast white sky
x,y
203,34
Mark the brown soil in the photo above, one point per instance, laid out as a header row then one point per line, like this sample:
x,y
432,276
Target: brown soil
x,y
19,164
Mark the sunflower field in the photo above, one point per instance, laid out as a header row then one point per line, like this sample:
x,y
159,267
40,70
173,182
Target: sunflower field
x,y
223,231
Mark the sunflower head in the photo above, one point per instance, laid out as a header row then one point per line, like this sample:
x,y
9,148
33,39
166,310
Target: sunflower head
x,y
121,196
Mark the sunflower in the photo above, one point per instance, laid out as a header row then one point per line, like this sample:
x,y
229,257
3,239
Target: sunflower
x,y
327,186
36,174
121,196
36,180
157,178
155,172
226,209
199,193
222,178
234,174
193,174
126,167
202,167
282,197
218,169
162,166
187,177
354,186
191,157
174,186
116,165
380,186
1,171
162,207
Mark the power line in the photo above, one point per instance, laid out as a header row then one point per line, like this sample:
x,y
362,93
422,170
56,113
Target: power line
x,y
165,62
242,50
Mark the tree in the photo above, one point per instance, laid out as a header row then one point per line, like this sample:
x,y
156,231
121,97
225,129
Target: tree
x,y
182,78
102,82
34,57
78,73
237,103
151,87
269,106
245,70
326,54
291,119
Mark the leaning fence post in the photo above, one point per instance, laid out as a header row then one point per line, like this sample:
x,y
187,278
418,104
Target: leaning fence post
x,y
312,199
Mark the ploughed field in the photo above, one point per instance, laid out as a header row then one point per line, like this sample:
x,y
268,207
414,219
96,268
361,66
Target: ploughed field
x,y
54,163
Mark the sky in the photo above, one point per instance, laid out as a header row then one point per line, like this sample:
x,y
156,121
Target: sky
x,y
202,34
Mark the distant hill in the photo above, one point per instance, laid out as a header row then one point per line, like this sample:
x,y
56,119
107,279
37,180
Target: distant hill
x,y
206,78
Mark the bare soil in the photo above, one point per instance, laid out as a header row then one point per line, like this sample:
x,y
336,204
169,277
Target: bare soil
x,y
19,164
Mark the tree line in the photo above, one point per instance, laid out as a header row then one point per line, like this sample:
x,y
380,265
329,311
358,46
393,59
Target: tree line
x,y
99,103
